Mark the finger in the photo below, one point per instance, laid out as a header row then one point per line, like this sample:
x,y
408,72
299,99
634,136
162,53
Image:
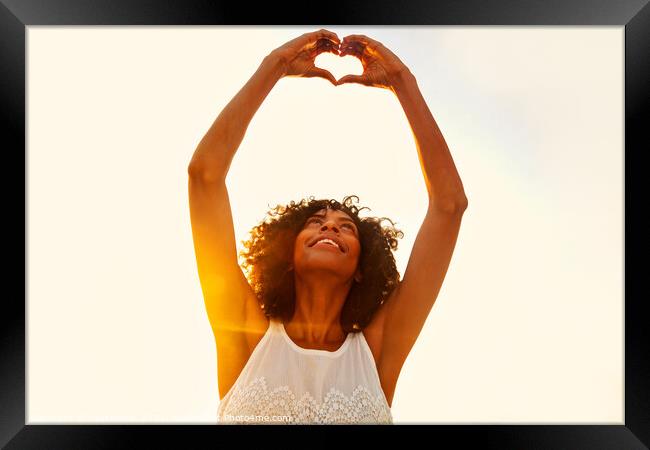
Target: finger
x,y
326,46
331,36
334,49
354,49
322,73
311,40
359,79
362,40
359,38
326,34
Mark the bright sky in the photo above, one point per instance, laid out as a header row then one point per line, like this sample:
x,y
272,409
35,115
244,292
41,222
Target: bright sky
x,y
528,326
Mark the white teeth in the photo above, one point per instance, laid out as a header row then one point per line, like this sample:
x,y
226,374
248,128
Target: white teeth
x,y
329,241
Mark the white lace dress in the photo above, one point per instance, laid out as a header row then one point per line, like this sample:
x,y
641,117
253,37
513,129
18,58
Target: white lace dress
x,y
283,383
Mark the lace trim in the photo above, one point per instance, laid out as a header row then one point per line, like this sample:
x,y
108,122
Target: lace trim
x,y
256,403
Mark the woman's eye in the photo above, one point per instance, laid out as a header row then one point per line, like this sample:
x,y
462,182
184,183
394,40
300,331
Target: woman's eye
x,y
349,225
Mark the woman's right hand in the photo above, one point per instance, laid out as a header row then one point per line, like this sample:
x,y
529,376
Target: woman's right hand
x,y
298,55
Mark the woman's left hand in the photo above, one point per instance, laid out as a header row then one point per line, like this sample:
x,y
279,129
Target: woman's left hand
x,y
381,67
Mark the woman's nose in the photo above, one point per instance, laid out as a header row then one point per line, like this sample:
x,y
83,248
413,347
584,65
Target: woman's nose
x,y
331,225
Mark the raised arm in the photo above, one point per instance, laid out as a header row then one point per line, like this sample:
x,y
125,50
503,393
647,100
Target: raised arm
x,y
231,305
213,156
399,321
225,288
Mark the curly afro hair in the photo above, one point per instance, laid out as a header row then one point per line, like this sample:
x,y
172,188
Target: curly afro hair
x,y
268,260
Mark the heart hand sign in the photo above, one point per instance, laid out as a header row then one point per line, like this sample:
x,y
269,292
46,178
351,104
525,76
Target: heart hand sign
x,y
381,67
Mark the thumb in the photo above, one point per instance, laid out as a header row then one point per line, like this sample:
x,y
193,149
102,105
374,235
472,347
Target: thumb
x,y
352,79
322,73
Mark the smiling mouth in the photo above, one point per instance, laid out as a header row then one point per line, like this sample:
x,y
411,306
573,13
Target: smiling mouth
x,y
323,244
328,244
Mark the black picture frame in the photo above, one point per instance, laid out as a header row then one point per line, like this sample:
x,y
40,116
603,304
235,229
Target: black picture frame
x,y
634,15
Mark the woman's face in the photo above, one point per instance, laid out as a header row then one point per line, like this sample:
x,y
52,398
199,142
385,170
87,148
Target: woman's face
x,y
312,253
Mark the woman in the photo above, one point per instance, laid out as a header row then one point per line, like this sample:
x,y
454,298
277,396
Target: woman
x,y
322,329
